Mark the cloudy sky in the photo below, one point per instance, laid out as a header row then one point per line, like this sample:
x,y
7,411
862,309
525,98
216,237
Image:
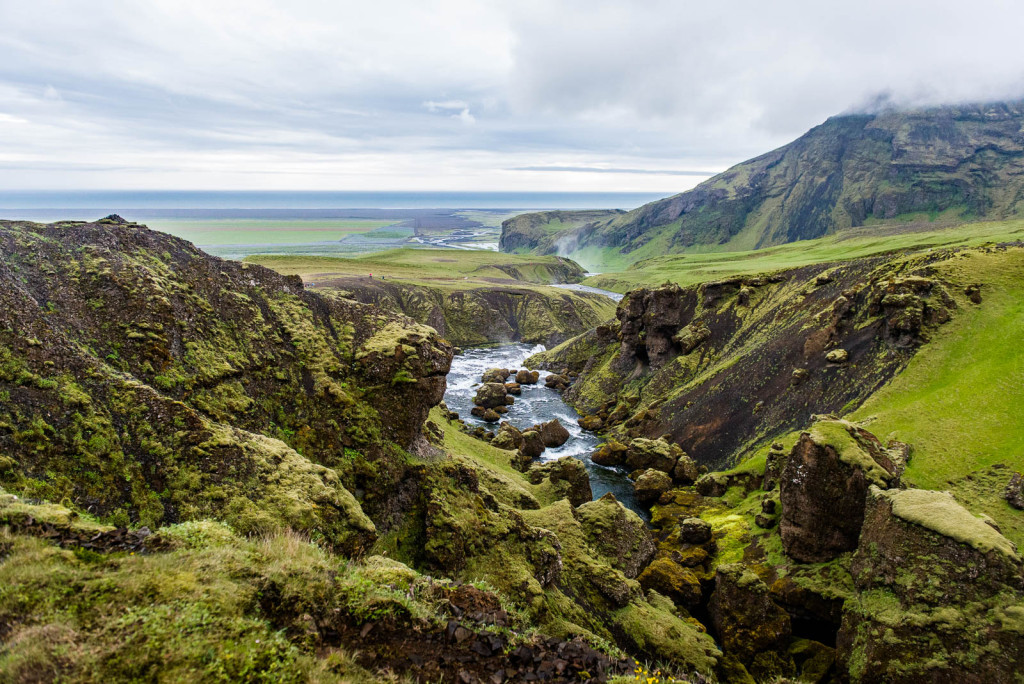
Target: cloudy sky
x,y
636,95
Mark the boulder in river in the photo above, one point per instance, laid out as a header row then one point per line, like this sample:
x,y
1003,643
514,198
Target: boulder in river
x,y
591,423
491,416
553,433
610,454
496,375
513,388
490,394
527,377
556,382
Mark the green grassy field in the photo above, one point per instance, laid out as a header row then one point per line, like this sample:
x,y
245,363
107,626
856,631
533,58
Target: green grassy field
x,y
264,231
959,402
690,268
434,265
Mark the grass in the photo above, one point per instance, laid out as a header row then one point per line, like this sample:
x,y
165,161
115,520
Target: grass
x,y
696,267
264,231
958,401
419,265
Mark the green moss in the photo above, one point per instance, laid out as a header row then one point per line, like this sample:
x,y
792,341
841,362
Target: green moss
x,y
836,434
939,512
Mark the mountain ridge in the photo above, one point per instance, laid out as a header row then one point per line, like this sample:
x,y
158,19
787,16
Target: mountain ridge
x,y
852,170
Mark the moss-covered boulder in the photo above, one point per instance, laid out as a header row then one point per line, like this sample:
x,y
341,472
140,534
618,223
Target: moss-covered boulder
x,y
823,488
490,395
747,621
610,454
651,485
671,579
495,375
568,477
527,377
617,534
940,595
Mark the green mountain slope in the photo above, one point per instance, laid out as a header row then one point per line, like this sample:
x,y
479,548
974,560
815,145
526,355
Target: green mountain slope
x,y
938,164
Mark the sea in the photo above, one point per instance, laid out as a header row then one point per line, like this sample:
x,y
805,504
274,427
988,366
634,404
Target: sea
x,y
142,204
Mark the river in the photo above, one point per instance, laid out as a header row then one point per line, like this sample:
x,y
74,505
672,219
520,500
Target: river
x,y
537,404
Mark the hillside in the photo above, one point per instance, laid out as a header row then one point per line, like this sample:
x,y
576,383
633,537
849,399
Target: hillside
x,y
469,297
939,164
210,473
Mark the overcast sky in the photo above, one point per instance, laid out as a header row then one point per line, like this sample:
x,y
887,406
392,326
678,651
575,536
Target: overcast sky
x,y
639,95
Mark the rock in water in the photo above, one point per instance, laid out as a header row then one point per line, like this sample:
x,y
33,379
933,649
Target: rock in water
x,y
553,433
610,454
490,395
496,375
823,488
527,377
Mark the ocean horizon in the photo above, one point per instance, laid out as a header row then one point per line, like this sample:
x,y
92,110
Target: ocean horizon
x,y
142,204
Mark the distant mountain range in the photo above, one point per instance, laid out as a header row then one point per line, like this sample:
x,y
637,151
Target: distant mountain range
x,y
950,163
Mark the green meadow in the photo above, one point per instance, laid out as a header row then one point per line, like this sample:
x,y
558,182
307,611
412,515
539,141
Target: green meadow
x,y
264,231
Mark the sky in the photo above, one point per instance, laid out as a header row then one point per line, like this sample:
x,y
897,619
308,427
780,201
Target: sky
x,y
566,95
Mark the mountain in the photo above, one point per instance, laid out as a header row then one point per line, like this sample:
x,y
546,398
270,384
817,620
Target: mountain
x,y
943,163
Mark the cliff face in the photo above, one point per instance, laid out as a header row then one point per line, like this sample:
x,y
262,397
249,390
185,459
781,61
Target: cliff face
x,y
849,171
718,366
145,380
486,314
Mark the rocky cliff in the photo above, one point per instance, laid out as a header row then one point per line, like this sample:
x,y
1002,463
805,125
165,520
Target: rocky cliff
x,y
719,366
852,170
485,314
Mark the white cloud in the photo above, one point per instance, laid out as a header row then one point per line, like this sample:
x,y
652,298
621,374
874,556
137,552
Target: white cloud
x,y
458,93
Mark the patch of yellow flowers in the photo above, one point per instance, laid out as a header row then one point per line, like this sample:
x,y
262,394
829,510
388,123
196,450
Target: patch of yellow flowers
x,y
642,674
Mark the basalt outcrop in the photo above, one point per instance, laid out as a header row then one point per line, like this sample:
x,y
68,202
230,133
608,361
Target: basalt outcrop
x,y
706,366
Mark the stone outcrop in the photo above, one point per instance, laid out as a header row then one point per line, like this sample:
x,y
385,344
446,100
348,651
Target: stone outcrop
x,y
939,595
651,485
569,477
744,616
823,488
618,534
1014,492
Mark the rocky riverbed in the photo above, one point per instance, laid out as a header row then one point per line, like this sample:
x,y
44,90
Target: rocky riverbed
x,y
537,404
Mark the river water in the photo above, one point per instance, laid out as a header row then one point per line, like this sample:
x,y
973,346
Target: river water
x,y
614,296
538,404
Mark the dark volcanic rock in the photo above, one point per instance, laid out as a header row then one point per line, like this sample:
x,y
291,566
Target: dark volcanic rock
x,y
936,587
553,433
610,454
746,619
823,488
1014,493
527,377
